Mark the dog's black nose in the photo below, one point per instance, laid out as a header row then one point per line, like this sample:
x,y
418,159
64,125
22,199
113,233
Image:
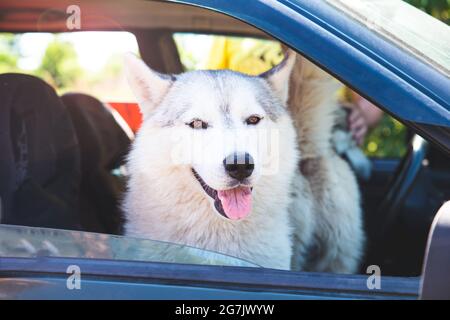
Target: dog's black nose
x,y
239,166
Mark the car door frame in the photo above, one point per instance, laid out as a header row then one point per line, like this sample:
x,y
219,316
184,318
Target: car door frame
x,y
401,84
46,277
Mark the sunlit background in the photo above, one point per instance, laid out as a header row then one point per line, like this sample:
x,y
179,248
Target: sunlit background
x,y
91,62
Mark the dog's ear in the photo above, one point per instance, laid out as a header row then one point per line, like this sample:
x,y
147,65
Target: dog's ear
x,y
148,86
278,77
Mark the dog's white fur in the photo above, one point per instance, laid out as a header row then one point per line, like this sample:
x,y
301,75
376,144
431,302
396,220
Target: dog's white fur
x,y
293,214
165,202
329,233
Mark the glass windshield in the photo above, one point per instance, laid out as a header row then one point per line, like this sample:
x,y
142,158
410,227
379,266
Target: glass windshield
x,y
28,242
405,25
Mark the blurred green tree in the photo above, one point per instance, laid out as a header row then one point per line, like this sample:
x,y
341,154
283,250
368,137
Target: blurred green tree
x,y
439,9
59,64
9,52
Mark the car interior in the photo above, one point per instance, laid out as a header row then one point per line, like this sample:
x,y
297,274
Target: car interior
x,y
63,156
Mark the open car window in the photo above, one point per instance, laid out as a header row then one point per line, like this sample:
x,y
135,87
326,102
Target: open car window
x,y
105,80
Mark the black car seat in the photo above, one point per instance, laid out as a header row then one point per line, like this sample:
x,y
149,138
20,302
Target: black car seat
x,y
39,156
103,145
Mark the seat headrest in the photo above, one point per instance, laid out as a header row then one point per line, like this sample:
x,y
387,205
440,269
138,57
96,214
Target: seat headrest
x,y
102,140
40,161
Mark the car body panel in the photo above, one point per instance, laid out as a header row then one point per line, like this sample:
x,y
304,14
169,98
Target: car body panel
x,y
436,282
46,277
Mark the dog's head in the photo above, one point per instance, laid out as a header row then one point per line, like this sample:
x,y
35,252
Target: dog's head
x,y
224,128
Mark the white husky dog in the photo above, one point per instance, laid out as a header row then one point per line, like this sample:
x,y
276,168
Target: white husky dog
x,y
237,198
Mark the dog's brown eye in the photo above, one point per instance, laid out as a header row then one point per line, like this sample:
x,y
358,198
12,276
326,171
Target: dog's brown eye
x,y
198,124
252,120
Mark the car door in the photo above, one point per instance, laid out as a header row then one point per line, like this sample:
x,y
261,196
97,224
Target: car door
x,y
402,84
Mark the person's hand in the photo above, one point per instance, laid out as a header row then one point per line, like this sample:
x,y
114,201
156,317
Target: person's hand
x,y
364,116
357,124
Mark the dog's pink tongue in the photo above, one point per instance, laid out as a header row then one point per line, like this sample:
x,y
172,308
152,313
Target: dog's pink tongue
x,y
236,202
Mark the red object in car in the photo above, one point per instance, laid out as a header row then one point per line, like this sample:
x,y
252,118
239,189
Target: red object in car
x,y
130,112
